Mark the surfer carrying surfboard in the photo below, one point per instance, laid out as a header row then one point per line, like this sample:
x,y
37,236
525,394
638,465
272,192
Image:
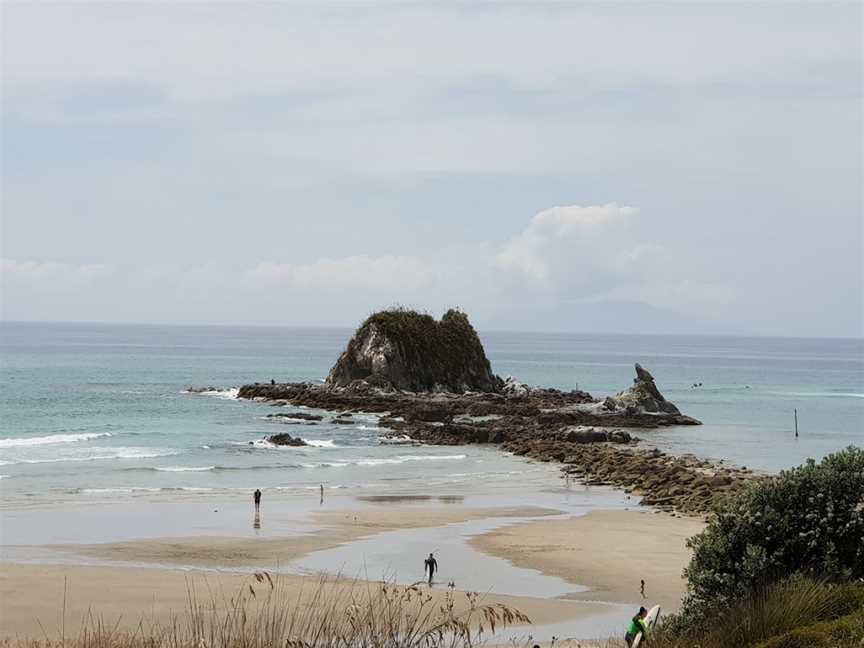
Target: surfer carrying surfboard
x,y
641,625
637,626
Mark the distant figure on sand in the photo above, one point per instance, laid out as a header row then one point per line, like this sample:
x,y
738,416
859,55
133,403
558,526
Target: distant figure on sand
x,y
272,381
257,498
642,587
322,493
637,625
430,566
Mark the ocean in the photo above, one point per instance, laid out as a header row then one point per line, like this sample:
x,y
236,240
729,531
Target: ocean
x,y
92,412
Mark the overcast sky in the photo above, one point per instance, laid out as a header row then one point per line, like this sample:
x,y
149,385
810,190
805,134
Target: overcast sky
x,y
658,168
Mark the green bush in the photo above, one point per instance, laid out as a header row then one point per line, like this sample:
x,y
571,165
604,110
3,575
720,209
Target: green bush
x,y
808,520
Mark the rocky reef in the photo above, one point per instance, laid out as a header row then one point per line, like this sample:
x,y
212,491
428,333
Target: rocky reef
x,y
405,350
643,395
285,439
432,383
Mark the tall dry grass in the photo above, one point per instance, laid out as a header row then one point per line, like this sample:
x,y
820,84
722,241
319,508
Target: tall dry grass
x,y
330,614
769,612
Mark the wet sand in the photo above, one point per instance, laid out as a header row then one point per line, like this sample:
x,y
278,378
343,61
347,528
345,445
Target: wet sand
x,y
607,551
33,597
329,529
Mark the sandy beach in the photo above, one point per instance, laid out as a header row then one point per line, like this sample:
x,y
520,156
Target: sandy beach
x,y
603,551
609,551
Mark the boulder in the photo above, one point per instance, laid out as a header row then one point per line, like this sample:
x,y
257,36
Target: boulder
x,y
513,387
644,396
408,351
286,440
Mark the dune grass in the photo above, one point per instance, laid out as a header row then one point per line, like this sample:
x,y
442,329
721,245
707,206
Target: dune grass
x,y
331,614
792,613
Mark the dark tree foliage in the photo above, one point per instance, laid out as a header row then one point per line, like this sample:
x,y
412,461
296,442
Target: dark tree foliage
x,y
808,520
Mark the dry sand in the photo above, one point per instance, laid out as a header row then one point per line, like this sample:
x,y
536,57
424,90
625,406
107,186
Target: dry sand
x,y
33,597
609,551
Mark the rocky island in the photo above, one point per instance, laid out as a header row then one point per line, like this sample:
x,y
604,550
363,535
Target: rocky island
x,y
432,383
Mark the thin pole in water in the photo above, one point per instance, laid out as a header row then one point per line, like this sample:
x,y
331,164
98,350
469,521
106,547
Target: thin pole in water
x,y
796,422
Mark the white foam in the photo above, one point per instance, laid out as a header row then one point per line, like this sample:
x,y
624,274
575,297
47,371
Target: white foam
x,y
407,458
367,427
4,476
51,439
185,468
383,462
143,489
820,394
120,490
98,454
230,393
321,443
396,440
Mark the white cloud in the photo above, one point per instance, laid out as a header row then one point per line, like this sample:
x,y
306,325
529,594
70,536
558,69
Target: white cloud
x,y
49,275
566,238
568,253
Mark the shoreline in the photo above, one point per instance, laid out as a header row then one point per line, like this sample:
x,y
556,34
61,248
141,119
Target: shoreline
x,y
502,542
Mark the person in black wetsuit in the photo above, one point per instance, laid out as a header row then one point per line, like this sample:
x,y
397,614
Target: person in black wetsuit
x,y
430,566
257,499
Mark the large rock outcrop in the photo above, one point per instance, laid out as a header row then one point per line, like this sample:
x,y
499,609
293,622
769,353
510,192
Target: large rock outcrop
x,y
406,350
644,395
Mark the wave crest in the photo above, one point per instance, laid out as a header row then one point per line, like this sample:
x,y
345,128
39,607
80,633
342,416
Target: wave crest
x,y
51,439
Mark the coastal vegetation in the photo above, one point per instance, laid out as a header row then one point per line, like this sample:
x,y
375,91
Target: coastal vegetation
x,y
798,612
781,564
332,614
404,349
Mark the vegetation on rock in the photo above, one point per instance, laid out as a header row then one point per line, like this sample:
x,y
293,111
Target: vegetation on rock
x,y
413,351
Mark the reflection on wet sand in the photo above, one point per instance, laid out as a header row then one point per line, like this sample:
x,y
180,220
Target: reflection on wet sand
x,y
256,523
399,499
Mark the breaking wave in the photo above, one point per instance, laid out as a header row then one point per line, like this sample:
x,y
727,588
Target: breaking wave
x,y
51,439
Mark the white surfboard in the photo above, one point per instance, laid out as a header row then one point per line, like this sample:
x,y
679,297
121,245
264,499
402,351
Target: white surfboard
x,y
650,621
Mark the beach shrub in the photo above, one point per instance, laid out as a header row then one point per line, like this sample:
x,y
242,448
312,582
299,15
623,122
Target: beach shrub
x,y
808,520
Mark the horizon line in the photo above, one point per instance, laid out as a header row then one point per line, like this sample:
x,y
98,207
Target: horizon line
x,y
486,330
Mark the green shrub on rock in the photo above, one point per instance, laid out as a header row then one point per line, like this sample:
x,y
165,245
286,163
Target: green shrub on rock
x,y
808,520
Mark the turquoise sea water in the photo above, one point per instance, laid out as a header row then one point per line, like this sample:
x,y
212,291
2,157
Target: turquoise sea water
x,y
98,411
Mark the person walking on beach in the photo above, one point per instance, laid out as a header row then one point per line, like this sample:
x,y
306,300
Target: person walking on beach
x,y
257,498
637,625
430,566
642,587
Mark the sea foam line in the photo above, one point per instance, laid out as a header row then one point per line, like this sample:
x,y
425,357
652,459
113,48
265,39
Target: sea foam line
x,y
120,453
51,439
383,462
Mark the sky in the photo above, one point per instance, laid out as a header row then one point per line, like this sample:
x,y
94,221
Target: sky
x,y
655,168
